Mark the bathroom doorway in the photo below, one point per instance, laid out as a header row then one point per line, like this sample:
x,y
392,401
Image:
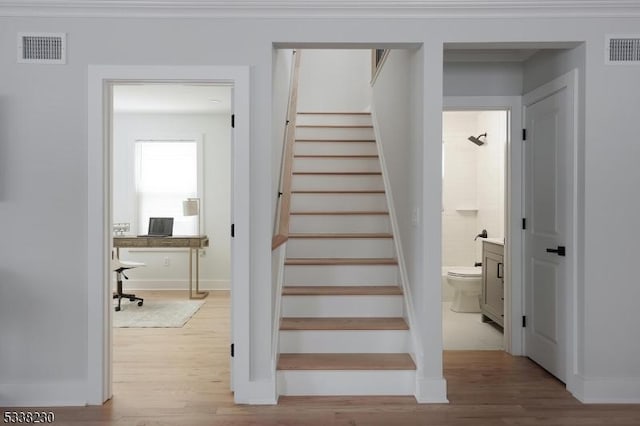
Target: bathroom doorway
x,y
474,228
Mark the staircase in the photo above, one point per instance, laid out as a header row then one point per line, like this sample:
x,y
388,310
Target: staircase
x,y
343,329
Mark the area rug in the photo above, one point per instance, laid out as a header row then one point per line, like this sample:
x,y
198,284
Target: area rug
x,y
160,314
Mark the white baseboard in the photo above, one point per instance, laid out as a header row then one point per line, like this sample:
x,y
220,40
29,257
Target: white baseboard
x,y
257,393
431,391
606,390
152,284
58,394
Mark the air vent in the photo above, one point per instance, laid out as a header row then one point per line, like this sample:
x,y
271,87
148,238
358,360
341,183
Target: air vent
x,y
623,50
42,48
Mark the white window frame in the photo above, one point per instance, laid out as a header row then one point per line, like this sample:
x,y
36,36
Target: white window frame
x,y
140,228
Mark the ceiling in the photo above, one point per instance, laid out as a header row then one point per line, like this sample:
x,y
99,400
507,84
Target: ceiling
x,y
185,98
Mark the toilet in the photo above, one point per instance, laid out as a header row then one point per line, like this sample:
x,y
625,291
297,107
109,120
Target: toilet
x,y
467,283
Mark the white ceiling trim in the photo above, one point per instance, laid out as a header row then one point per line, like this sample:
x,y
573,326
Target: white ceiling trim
x,y
320,8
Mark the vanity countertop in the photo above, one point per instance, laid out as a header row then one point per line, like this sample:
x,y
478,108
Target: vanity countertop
x,y
499,241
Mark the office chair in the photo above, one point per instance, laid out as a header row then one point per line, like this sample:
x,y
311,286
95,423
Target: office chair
x,y
119,266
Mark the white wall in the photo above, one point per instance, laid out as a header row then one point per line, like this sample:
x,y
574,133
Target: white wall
x,y
398,111
482,79
216,138
391,105
491,167
43,168
334,80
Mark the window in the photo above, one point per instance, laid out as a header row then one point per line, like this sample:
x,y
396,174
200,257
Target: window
x,y
167,173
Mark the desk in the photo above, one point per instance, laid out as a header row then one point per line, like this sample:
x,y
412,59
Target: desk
x,y
193,243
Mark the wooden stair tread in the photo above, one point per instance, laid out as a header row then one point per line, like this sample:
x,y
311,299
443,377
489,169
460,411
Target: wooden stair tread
x,y
340,261
332,113
353,212
341,235
333,156
334,126
366,361
339,173
322,191
336,140
342,323
333,290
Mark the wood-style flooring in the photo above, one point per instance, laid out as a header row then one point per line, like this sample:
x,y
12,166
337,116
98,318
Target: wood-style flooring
x,y
180,377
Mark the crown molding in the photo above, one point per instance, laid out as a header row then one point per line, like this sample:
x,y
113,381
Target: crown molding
x,y
320,8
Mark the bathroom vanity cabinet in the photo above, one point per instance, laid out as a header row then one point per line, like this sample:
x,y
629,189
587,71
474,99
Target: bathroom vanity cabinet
x,y
492,298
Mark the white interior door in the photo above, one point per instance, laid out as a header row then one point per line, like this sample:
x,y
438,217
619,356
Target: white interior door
x,y
548,117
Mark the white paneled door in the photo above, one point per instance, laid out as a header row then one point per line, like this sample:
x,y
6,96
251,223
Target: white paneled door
x,y
548,205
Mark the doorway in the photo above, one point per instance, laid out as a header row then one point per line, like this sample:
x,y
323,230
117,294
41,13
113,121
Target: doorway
x,y
101,82
511,107
474,231
171,147
520,286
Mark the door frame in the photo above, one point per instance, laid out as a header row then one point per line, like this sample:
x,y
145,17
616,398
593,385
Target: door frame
x,y
568,81
99,212
514,289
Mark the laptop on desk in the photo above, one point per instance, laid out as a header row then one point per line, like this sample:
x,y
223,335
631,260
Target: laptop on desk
x,y
160,227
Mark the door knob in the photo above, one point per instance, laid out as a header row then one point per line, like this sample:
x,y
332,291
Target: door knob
x,y
560,251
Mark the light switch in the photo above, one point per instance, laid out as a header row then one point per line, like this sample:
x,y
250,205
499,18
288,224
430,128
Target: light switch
x,y
415,217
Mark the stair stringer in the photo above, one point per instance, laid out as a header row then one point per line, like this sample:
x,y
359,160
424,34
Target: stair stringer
x,y
277,263
416,353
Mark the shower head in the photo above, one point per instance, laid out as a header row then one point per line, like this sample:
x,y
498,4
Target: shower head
x,y
476,139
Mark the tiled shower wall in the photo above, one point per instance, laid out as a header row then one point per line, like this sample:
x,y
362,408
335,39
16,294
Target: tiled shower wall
x,y
473,183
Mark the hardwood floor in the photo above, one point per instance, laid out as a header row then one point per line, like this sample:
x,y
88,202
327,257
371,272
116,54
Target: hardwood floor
x,y
181,377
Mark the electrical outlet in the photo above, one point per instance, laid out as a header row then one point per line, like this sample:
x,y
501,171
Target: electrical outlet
x,y
166,261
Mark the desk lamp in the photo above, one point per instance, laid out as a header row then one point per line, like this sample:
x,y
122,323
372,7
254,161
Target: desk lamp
x,y
191,207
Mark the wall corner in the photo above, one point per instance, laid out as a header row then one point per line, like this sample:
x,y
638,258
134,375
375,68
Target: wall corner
x,y
257,393
431,390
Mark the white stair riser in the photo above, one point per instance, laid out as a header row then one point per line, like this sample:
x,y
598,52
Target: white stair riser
x,y
337,183
333,119
340,275
340,247
335,148
338,202
347,341
324,133
365,382
327,164
339,223
342,306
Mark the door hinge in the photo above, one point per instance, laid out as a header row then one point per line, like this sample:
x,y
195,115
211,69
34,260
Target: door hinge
x,y
524,134
524,223
233,350
233,121
524,321
233,230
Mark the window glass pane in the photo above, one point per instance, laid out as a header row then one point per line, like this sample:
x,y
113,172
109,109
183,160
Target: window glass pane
x,y
166,175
